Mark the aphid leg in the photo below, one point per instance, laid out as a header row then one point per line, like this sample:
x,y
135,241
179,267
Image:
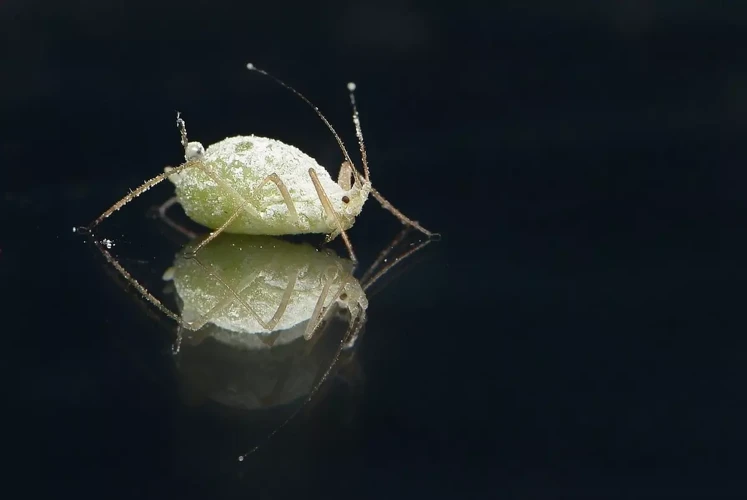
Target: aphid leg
x,y
364,159
137,192
402,217
324,199
163,215
283,191
345,177
214,234
238,199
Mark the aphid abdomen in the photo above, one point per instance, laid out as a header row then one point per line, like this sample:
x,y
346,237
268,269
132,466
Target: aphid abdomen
x,y
229,175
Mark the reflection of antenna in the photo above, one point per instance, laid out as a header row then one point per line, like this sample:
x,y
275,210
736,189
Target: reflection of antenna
x,y
357,323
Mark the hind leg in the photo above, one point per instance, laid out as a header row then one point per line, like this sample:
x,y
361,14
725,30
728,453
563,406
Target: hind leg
x,y
244,205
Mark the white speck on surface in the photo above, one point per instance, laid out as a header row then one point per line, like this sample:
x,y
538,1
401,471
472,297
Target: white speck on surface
x,y
75,229
107,243
351,86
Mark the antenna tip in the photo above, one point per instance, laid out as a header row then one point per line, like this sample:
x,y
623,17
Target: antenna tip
x,y
250,66
351,86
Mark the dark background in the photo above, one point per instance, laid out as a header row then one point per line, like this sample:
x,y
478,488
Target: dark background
x,y
578,333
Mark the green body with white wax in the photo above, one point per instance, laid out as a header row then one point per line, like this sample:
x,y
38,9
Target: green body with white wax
x,y
241,174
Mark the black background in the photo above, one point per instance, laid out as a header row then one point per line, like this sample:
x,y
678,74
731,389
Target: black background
x,y
578,333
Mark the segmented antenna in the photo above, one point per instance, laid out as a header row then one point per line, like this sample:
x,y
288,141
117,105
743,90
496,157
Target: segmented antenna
x,y
358,320
252,67
182,130
358,131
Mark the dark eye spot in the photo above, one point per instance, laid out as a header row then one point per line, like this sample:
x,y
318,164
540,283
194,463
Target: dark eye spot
x,y
343,296
345,199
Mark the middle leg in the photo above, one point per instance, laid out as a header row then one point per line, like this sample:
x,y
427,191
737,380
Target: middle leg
x,y
274,178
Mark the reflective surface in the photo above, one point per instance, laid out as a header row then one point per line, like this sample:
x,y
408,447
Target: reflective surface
x,y
579,332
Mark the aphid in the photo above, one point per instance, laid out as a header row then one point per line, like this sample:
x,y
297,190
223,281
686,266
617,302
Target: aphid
x,y
257,185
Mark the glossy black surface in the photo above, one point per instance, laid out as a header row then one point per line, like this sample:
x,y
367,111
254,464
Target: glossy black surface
x,y
578,332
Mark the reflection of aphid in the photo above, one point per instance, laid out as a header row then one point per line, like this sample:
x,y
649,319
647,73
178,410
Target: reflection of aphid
x,y
256,185
252,287
257,291
261,313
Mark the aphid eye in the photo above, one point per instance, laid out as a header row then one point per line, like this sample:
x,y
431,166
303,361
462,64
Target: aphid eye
x,y
343,296
345,199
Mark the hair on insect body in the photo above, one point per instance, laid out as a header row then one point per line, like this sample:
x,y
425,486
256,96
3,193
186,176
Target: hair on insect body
x,y
261,186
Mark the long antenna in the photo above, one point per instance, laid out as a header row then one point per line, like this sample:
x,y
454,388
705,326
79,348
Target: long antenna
x,y
364,157
358,131
277,80
357,322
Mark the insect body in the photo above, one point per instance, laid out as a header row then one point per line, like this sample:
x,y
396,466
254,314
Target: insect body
x,y
255,185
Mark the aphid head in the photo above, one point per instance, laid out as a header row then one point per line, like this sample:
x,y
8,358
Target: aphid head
x,y
352,298
354,198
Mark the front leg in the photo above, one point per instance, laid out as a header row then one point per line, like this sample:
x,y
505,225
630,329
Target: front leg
x,y
330,211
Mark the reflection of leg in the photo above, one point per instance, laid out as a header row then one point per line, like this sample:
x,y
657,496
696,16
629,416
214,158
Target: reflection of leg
x,y
318,314
385,253
289,289
402,217
324,199
227,300
192,337
234,293
162,214
283,191
280,384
